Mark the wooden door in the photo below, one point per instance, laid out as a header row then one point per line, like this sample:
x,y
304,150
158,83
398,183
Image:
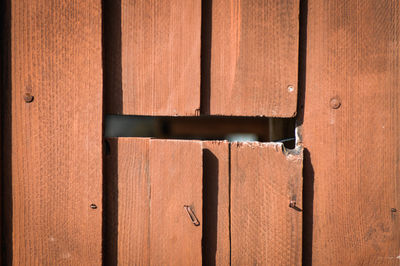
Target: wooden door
x,y
166,201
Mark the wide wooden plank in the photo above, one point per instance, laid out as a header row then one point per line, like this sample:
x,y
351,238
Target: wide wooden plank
x,y
216,235
56,135
251,54
160,57
352,132
147,190
128,202
176,181
264,181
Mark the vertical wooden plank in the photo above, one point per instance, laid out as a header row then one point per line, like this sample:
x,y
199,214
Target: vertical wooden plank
x,y
353,58
176,181
216,242
253,58
57,137
128,173
133,202
264,229
160,53
147,223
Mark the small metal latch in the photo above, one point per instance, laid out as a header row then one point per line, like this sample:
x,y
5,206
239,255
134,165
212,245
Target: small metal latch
x,y
192,216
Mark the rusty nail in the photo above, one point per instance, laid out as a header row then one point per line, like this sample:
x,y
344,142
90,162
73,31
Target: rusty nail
x,y
28,97
394,210
93,206
192,216
335,103
292,204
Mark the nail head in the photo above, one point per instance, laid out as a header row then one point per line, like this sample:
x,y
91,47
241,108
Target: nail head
x,y
335,103
93,206
28,98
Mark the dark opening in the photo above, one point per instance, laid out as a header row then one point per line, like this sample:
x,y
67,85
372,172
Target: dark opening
x,y
6,130
210,207
260,129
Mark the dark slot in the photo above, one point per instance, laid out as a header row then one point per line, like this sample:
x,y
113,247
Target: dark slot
x,y
6,122
112,100
210,207
110,203
262,129
308,171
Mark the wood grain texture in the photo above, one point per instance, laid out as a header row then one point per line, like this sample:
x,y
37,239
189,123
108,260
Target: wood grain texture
x,y
216,231
131,177
353,53
149,225
264,229
160,53
176,180
253,58
57,138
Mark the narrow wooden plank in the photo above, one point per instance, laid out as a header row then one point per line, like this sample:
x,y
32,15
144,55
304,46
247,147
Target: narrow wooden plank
x,y
133,202
216,242
176,181
253,54
160,55
264,229
128,206
353,55
56,138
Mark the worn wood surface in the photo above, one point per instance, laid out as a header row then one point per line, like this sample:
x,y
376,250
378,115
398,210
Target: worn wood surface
x,y
57,138
353,55
160,58
252,53
264,229
216,230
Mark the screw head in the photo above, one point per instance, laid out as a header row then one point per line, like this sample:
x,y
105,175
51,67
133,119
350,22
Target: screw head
x,y
335,103
290,88
28,98
292,204
93,206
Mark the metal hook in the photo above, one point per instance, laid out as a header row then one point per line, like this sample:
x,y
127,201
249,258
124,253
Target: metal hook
x,y
293,205
192,216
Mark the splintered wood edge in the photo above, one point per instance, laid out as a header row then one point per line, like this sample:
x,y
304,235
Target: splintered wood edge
x,y
290,154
